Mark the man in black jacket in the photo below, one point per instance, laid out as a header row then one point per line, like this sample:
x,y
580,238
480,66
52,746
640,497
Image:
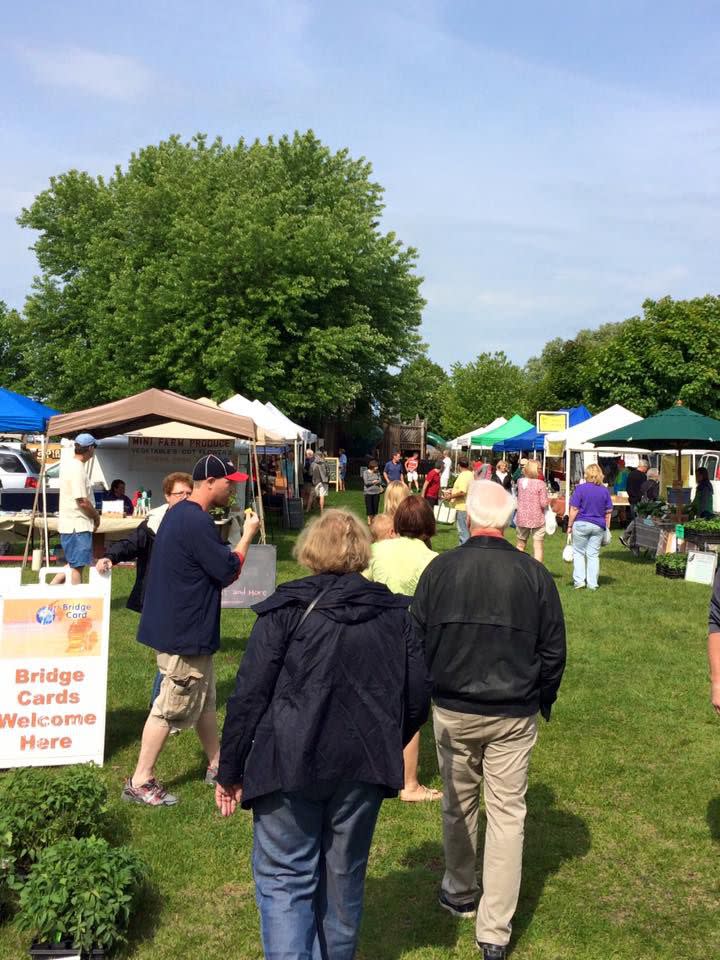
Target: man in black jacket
x,y
494,636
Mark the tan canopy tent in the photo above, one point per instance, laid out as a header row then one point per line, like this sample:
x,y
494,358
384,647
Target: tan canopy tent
x,y
147,409
143,411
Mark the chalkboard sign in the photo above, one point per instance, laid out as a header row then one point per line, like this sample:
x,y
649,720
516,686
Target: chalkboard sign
x,y
332,465
257,580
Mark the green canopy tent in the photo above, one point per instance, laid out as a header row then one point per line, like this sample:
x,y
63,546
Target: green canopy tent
x,y
514,426
675,428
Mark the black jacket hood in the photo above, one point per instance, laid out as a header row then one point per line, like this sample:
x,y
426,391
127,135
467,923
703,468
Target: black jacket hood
x,y
350,598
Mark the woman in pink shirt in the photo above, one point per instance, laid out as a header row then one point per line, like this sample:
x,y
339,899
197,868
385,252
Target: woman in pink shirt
x,y
532,500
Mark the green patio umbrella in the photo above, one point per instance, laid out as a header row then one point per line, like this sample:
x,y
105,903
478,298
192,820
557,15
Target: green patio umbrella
x,y
676,428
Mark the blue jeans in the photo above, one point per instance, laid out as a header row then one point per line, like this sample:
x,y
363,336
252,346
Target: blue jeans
x,y
310,853
462,527
586,541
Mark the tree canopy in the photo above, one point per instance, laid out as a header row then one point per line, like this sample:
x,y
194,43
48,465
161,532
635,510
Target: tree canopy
x,y
646,363
477,392
212,269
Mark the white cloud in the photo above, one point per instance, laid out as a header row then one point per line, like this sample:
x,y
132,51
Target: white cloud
x,y
109,75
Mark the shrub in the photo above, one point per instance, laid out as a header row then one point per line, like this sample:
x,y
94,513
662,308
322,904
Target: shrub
x,y
39,807
81,890
703,526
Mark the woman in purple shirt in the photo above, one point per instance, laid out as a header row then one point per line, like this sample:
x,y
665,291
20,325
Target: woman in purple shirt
x,y
590,512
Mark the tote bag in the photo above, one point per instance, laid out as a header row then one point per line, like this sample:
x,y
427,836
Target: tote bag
x,y
567,553
444,513
550,521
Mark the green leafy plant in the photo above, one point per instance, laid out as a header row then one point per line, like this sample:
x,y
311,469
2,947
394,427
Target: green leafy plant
x,y
652,508
703,526
672,562
82,890
7,871
39,807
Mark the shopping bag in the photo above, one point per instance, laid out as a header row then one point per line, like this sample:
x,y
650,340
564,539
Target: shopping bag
x,y
567,553
607,537
550,521
444,513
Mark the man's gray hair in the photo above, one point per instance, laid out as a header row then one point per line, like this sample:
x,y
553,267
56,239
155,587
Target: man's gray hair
x,y
489,505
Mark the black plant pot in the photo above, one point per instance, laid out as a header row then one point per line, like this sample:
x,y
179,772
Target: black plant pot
x,y
55,951
670,573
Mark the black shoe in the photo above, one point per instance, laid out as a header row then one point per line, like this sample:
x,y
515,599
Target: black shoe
x,y
491,951
465,910
624,542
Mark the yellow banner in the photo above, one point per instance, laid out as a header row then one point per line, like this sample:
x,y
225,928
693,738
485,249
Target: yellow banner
x,y
551,422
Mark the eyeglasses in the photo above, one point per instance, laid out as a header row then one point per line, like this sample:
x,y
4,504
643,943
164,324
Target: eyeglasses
x,y
179,493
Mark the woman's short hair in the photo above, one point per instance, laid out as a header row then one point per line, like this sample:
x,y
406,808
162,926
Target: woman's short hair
x,y
394,495
115,484
463,462
593,474
172,478
489,505
502,465
373,465
531,470
414,518
336,542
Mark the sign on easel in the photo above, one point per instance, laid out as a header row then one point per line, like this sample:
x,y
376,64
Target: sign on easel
x,y
257,579
53,671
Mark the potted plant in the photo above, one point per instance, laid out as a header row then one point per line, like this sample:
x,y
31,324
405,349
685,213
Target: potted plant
x,y
671,565
39,807
703,532
78,898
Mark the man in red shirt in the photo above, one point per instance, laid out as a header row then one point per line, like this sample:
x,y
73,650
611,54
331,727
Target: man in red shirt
x,y
431,487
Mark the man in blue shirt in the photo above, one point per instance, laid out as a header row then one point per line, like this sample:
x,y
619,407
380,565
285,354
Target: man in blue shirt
x,y
181,622
393,468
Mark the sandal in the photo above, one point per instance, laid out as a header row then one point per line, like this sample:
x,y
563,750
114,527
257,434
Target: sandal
x,y
420,795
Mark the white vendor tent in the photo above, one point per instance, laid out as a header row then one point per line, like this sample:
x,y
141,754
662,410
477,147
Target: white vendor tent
x,y
265,426
577,439
465,439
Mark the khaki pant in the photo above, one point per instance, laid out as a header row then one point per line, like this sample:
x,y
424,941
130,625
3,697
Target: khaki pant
x,y
472,749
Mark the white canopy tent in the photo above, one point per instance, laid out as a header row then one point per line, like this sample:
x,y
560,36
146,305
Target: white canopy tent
x,y
577,439
465,439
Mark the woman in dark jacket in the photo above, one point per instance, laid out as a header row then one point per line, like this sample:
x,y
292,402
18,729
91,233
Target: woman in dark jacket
x,y
331,688
138,546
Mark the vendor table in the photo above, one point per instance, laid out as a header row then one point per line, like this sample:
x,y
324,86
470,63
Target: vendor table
x,y
112,527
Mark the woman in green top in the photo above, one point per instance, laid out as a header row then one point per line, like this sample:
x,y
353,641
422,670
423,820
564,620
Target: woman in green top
x,y
398,563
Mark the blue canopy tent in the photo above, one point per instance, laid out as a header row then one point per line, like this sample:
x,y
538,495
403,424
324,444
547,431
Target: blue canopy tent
x,y
19,414
532,440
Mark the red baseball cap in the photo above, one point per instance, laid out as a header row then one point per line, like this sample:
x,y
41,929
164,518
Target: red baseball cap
x,y
217,467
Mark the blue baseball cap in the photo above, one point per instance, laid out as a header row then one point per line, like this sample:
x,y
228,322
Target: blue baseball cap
x,y
85,440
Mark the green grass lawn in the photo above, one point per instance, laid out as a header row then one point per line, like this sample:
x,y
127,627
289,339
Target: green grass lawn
x,y
621,850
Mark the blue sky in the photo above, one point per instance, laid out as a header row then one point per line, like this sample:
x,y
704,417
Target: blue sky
x,y
554,163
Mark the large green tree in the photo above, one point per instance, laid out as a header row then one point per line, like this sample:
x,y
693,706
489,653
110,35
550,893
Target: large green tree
x,y
478,392
212,269
416,391
646,363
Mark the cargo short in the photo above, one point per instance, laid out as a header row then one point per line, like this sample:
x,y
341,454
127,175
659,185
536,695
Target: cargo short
x,y
187,690
531,533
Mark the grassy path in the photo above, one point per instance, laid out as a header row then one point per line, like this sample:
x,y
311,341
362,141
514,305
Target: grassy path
x,y
623,825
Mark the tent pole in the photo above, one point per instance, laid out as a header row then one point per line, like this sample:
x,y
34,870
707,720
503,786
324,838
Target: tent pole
x,y
257,492
33,515
43,481
567,480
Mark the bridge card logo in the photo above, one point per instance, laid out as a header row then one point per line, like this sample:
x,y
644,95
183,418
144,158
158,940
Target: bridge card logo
x,y
45,616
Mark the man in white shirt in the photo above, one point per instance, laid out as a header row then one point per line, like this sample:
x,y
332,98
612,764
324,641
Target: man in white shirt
x,y
447,465
78,517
